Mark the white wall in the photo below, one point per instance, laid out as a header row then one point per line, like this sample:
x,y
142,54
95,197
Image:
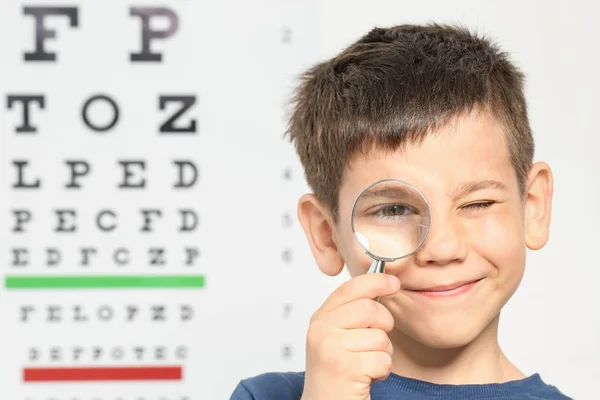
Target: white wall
x,y
552,325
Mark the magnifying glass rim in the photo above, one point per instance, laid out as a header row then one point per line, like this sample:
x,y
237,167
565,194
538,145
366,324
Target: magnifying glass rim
x,y
386,259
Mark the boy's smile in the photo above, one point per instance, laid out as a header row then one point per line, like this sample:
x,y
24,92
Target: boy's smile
x,y
474,256
444,291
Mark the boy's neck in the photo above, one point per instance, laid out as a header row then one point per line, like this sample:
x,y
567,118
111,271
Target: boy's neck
x,y
481,361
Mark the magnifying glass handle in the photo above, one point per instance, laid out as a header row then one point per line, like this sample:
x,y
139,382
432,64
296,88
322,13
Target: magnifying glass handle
x,y
377,267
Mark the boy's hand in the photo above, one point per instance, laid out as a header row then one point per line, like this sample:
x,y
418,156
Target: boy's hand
x,y
347,346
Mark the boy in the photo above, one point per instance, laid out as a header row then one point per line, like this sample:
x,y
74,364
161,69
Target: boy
x,y
444,110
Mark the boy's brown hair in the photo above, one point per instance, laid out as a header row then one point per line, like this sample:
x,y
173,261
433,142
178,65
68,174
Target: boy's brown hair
x,y
394,86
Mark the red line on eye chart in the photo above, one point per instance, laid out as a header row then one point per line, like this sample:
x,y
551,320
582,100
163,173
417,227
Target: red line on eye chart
x,y
98,374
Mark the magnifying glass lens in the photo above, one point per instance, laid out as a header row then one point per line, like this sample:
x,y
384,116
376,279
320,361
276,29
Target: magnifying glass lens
x,y
390,219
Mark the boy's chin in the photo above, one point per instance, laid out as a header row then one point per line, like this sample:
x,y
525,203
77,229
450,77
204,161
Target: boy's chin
x,y
446,336
444,341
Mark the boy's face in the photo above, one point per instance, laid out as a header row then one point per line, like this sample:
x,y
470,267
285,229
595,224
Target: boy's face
x,y
481,226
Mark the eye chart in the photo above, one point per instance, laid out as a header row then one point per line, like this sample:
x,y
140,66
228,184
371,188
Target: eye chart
x,y
150,245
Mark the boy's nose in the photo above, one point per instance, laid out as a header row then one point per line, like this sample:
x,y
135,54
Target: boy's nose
x,y
444,243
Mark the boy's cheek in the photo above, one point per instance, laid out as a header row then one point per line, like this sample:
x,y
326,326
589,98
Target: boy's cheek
x,y
500,240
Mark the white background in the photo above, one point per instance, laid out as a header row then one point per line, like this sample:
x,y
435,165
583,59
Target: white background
x,y
230,54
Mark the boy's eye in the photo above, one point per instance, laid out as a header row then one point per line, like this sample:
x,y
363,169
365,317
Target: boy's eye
x,y
395,210
479,205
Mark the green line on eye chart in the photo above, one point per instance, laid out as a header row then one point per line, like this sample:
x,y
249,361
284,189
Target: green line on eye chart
x,y
105,282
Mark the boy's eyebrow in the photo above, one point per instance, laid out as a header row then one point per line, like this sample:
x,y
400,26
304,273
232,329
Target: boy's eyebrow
x,y
389,191
474,186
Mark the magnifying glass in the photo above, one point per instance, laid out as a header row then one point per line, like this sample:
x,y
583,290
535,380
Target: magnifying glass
x,y
390,221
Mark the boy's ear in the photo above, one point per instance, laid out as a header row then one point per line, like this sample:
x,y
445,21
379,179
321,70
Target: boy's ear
x,y
538,206
318,227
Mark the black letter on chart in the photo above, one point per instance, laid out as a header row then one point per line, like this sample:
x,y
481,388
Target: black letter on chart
x,y
105,228
148,34
148,220
61,221
25,310
156,255
26,100
54,256
131,312
115,110
85,251
79,316
18,261
192,253
78,169
33,354
187,312
22,216
121,260
186,103
184,225
77,353
193,170
41,33
54,313
128,174
158,313
20,182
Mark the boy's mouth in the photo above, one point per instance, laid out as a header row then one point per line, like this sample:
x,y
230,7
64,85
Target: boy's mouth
x,y
447,290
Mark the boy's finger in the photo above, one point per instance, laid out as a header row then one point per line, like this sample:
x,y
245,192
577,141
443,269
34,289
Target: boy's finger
x,y
361,313
359,340
363,286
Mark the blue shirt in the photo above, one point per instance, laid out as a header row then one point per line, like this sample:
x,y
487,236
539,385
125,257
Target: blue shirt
x,y
288,386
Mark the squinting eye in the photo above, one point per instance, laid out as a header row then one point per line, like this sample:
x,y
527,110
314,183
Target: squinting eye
x,y
482,204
